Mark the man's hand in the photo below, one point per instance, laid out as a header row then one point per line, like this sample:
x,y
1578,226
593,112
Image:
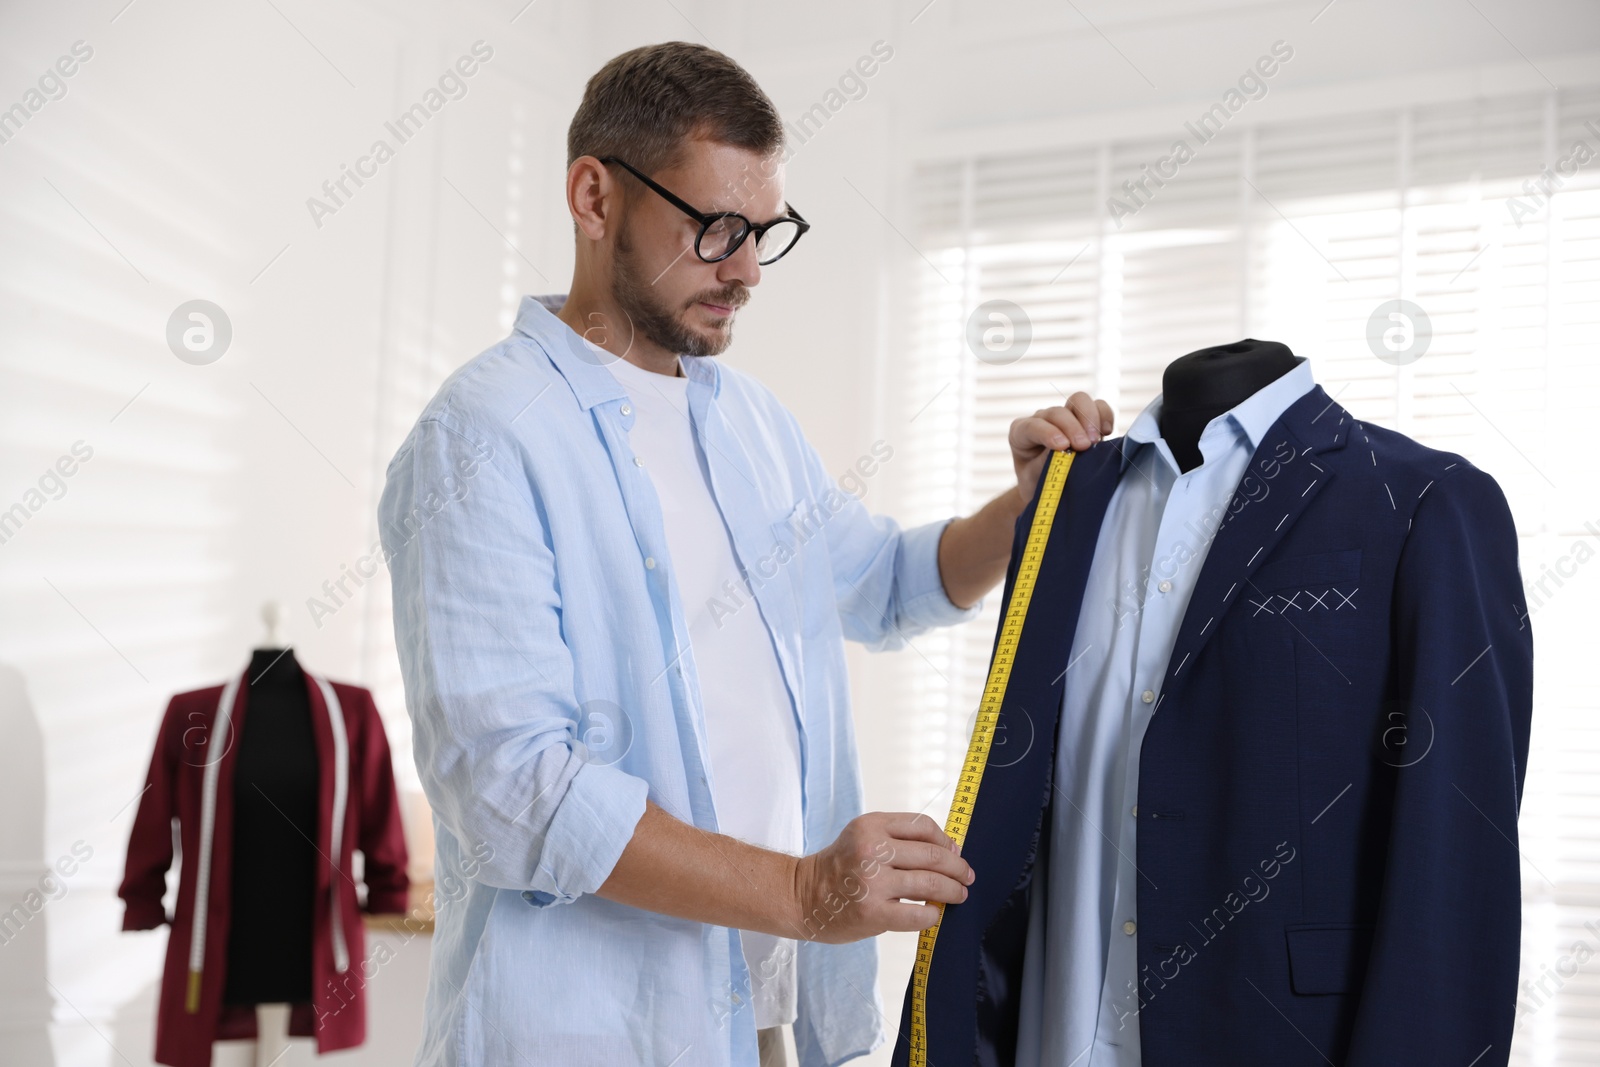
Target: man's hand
x,y
1078,424
852,889
974,550
845,892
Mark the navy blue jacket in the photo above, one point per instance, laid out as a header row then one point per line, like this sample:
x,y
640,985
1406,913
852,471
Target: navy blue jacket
x,y
1328,789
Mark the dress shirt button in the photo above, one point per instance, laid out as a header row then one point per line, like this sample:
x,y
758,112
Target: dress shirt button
x,y
1128,927
638,461
1136,811
1147,696
649,563
626,409
1165,587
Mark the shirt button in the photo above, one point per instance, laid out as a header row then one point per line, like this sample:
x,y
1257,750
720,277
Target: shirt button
x,y
649,563
1165,587
1147,696
626,409
638,461
1136,811
1128,927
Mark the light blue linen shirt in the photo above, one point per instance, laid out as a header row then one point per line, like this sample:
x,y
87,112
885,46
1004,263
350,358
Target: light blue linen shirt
x,y
1080,997
552,688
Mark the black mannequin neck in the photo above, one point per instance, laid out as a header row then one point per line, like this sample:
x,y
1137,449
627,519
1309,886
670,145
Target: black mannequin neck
x,y
1198,387
275,669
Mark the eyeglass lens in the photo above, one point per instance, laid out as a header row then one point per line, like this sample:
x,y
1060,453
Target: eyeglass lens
x,y
727,232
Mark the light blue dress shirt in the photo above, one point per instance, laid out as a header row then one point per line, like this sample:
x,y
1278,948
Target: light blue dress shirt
x,y
552,688
1080,998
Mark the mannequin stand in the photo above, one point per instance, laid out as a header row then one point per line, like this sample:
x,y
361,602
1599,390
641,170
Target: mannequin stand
x,y
269,1049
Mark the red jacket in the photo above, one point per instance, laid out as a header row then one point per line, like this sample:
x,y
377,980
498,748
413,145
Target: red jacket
x,y
191,779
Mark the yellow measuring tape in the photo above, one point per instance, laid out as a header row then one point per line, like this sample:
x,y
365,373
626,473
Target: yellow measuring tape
x,y
994,691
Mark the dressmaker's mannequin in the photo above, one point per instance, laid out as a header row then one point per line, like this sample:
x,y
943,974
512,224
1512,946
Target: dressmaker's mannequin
x,y
274,858
1198,387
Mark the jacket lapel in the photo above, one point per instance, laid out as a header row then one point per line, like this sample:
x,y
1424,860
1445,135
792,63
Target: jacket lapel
x,y
1279,484
1003,835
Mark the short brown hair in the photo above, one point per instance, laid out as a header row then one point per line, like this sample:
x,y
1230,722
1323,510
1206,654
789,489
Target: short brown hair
x,y
646,103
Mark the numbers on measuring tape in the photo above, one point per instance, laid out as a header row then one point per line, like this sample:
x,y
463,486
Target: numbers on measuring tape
x,y
983,727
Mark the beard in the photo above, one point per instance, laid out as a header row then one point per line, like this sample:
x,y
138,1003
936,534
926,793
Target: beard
x,y
652,317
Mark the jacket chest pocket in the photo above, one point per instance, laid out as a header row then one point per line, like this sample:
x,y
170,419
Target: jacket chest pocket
x,y
1307,588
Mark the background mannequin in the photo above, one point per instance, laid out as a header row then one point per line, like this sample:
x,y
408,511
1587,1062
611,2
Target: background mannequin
x,y
1198,387
268,778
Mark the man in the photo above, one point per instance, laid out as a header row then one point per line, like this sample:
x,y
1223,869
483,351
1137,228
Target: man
x,y
622,582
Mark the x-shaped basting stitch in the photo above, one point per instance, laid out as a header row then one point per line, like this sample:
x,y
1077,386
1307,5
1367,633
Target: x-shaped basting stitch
x,y
1289,602
1316,600
1265,606
1343,599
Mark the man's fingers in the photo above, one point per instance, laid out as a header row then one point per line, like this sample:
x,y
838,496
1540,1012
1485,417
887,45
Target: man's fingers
x,y
1060,427
1085,410
1052,428
907,917
1078,424
935,859
915,826
920,885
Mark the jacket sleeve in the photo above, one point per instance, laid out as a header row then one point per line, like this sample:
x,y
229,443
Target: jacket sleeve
x,y
1441,980
144,880
382,837
489,677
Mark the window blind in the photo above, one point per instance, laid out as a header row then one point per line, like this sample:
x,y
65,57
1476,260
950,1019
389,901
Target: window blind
x,y
1297,232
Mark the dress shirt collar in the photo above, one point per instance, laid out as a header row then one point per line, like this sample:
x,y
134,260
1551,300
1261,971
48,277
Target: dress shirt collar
x,y
1252,417
582,364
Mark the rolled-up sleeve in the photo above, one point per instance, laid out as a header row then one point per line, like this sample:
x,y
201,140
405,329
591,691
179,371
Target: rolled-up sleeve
x,y
488,676
923,600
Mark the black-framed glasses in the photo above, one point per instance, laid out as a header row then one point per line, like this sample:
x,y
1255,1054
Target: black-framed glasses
x,y
722,232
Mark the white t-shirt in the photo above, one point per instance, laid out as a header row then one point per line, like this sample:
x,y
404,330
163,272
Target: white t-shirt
x,y
750,722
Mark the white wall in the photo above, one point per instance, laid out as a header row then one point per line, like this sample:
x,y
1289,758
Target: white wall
x,y
178,165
